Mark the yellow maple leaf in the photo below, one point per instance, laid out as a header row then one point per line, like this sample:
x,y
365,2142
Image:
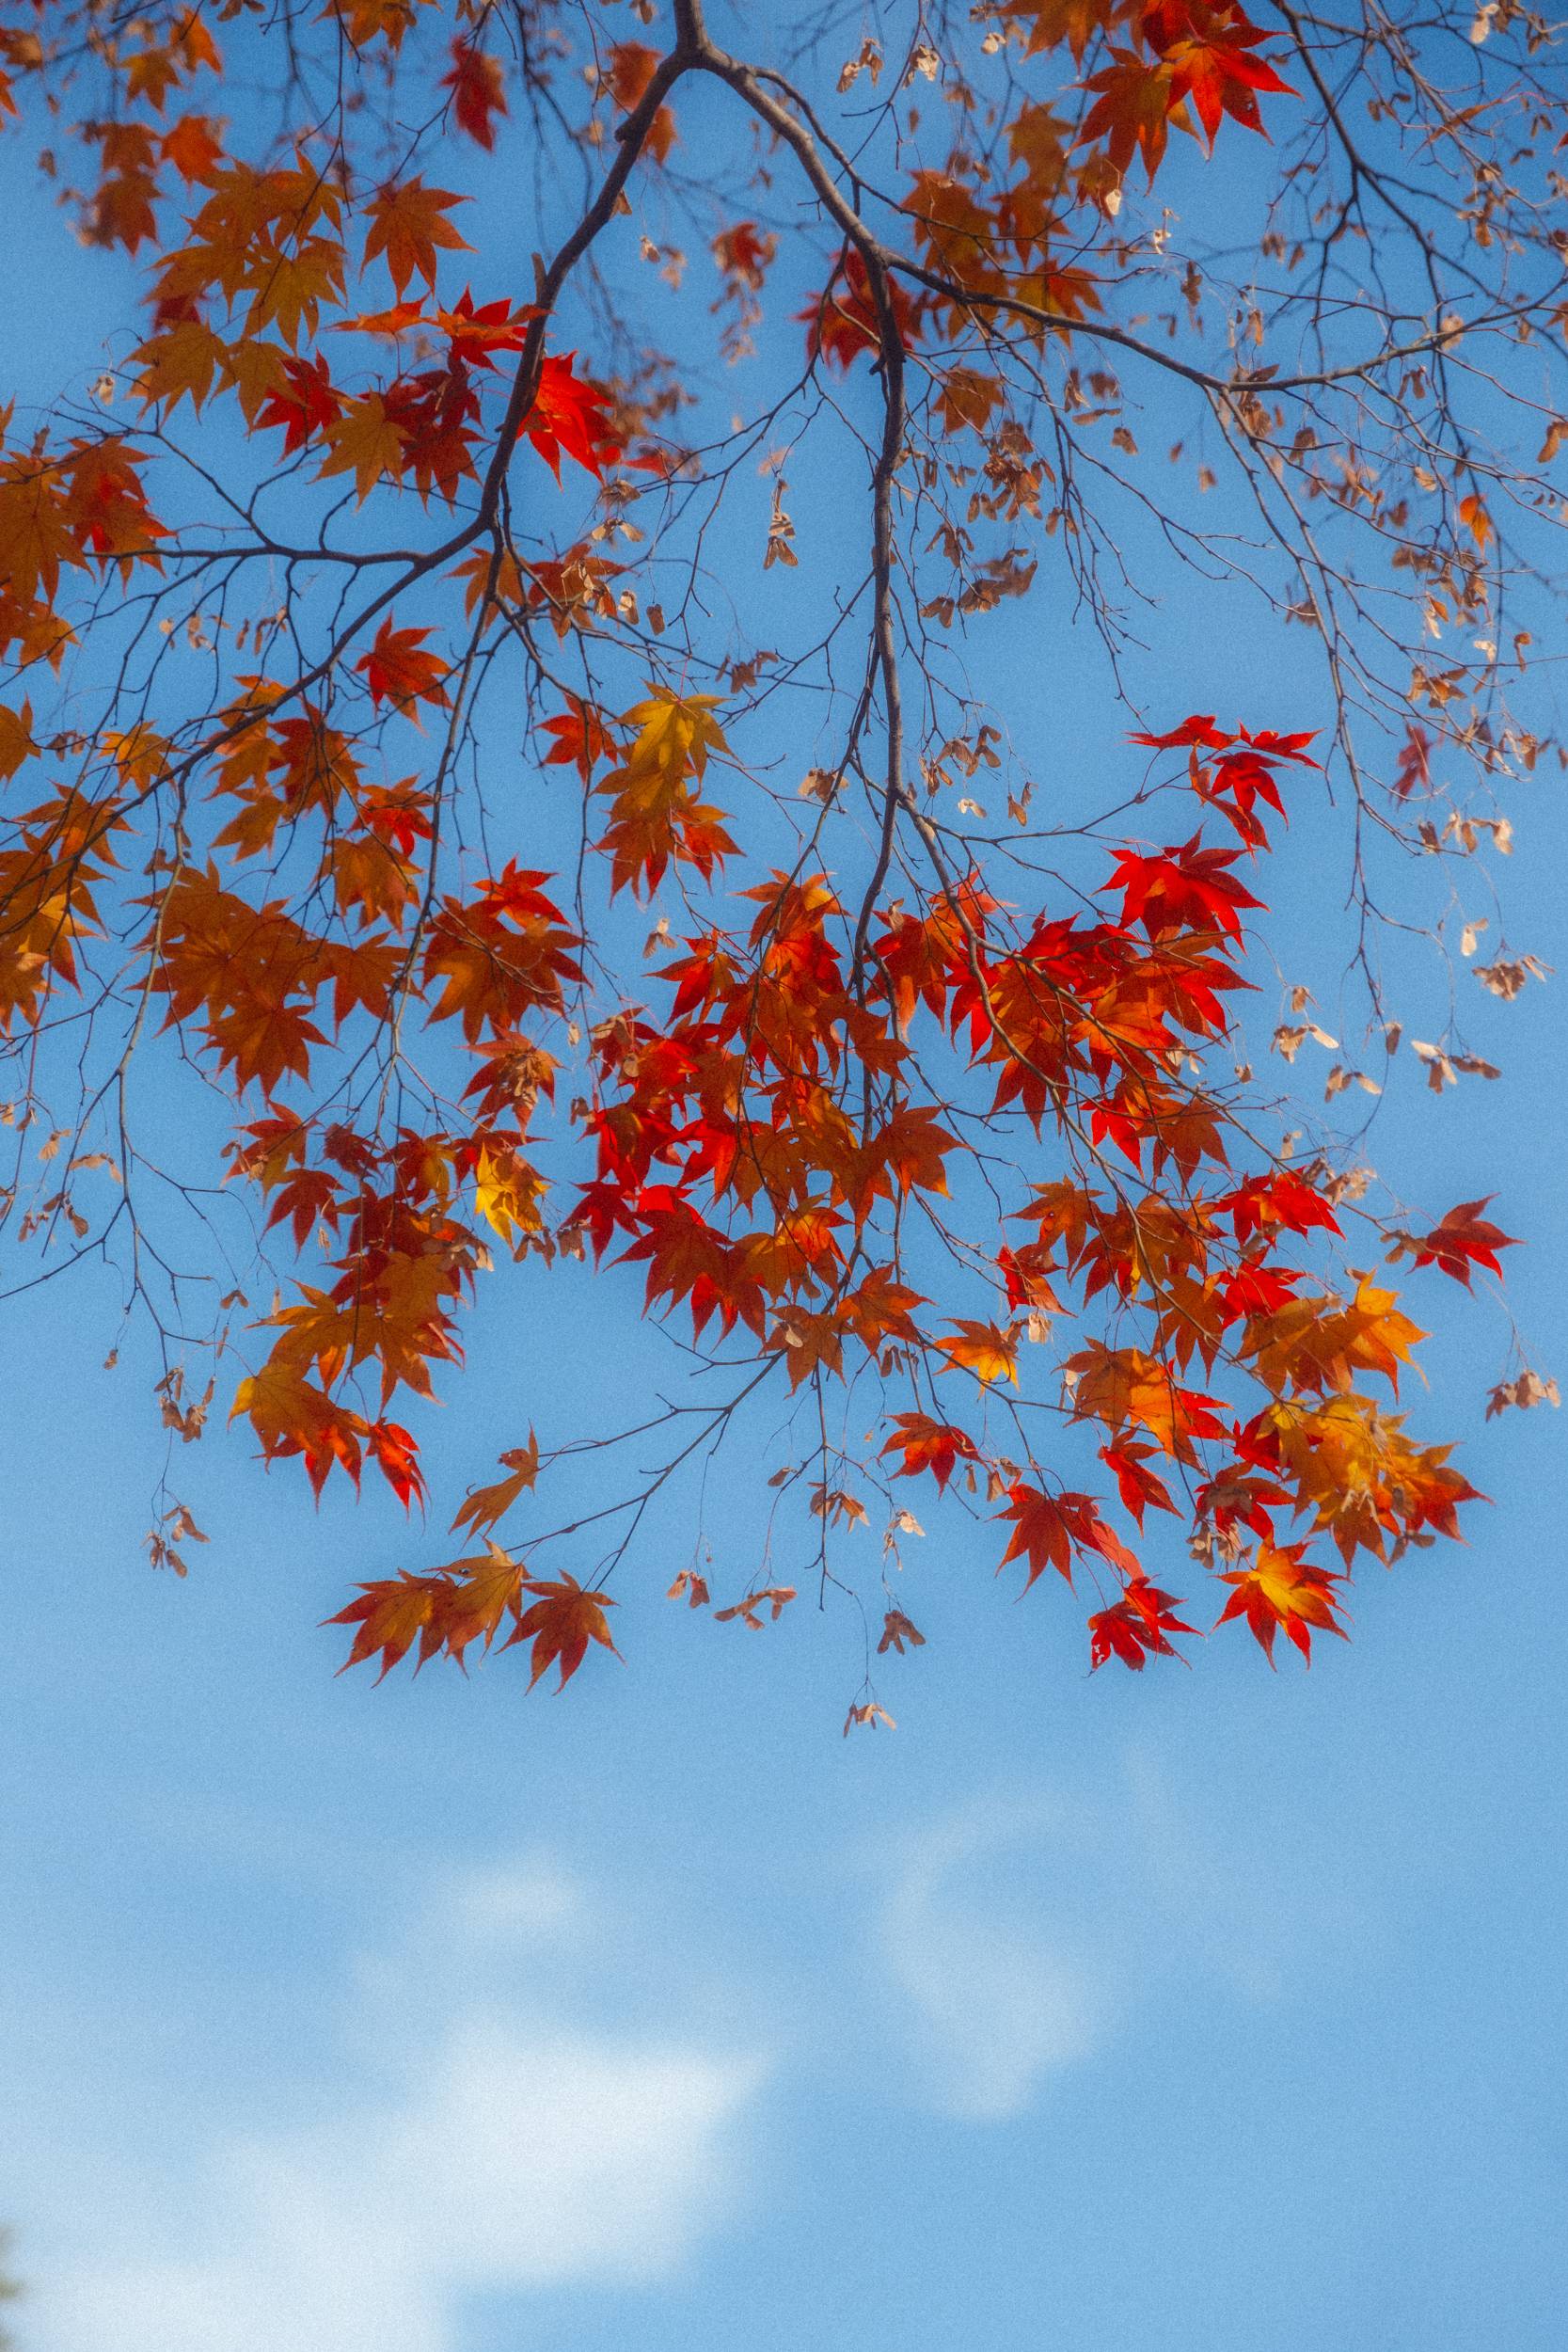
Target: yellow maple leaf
x,y
507,1192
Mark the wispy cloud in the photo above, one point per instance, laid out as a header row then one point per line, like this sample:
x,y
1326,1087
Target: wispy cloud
x,y
508,2149
1025,1933
998,2003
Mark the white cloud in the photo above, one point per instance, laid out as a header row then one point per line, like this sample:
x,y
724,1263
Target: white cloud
x,y
507,2151
1025,1934
999,2004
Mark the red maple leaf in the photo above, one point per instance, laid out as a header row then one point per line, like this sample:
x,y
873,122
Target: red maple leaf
x,y
1185,887
478,93
1201,731
1049,1528
1207,51
307,408
1278,1200
397,1457
560,1623
629,68
1462,1239
397,671
744,253
581,739
479,330
1131,110
1135,1626
843,320
1137,1484
570,416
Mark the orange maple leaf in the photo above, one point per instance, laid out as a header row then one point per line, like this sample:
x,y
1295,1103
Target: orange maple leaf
x,y
194,148
485,1505
1132,111
390,1616
1126,1389
1049,24
408,226
905,1155
1282,1589
465,1601
500,954
560,1623
928,1445
632,66
364,441
985,1349
291,1416
843,320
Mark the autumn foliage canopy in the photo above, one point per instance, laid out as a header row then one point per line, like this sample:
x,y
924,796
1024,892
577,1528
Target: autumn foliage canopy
x,y
462,805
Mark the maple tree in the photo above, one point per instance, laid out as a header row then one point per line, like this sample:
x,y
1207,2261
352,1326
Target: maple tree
x,y
416,741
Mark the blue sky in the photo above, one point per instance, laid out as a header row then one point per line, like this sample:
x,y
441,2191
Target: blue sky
x,y
1199,2011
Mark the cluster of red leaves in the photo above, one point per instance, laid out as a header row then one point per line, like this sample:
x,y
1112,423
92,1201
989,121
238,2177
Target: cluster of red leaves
x,y
1182,64
1184,58
760,1135
757,1144
267,254
732,1167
